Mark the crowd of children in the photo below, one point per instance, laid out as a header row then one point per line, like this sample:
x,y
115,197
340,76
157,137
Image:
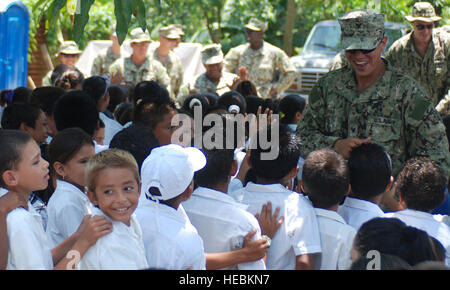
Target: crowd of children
x,y
90,179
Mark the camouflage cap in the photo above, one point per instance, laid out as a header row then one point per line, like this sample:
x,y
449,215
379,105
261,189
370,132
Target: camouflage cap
x,y
170,32
423,11
361,29
256,25
69,47
212,54
179,28
138,35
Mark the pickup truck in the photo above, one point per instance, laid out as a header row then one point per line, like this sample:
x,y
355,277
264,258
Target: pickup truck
x,y
321,46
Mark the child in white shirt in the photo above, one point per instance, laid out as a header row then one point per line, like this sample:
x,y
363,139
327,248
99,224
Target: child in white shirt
x,y
298,238
112,178
22,170
69,153
421,188
220,220
370,176
325,181
171,241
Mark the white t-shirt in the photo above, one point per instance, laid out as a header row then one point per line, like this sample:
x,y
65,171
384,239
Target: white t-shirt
x,y
356,211
336,239
171,241
299,233
425,221
112,127
28,245
66,209
122,249
222,223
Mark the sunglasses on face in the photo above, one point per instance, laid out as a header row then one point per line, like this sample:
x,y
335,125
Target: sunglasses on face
x,y
422,27
69,55
363,51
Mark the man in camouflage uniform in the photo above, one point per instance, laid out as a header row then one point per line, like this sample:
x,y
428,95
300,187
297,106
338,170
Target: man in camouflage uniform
x,y
168,38
68,54
139,66
371,101
424,53
105,58
269,68
214,80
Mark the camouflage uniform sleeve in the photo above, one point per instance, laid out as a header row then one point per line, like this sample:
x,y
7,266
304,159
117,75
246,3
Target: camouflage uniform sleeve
x,y
161,75
287,70
426,130
231,61
444,105
311,129
96,66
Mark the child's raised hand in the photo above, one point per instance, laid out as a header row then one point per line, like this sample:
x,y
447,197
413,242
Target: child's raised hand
x,y
269,223
11,201
93,228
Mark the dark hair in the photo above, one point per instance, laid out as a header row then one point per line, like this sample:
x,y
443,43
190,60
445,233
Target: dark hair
x,y
46,98
253,103
6,97
76,109
325,177
387,262
58,72
66,144
288,154
95,87
150,112
370,170
117,95
197,100
69,79
392,236
12,143
21,95
232,98
18,113
123,113
246,88
220,160
289,106
150,90
421,184
137,139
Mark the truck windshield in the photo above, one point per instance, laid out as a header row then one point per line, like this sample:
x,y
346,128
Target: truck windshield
x,y
325,39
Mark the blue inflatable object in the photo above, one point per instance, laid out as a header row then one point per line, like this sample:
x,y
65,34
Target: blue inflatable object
x,y
14,28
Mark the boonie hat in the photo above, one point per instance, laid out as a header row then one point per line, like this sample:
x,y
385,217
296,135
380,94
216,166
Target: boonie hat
x,y
256,25
423,11
138,35
361,29
212,54
69,47
170,169
179,28
170,32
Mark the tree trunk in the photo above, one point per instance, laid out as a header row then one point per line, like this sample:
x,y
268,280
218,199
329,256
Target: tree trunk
x,y
291,13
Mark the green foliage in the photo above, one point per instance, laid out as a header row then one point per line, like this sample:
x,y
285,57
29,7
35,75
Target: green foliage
x,y
204,21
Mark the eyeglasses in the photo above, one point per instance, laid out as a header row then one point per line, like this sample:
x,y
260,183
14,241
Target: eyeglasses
x,y
422,27
363,51
69,55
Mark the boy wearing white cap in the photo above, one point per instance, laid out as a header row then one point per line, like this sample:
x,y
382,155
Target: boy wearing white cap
x,y
171,241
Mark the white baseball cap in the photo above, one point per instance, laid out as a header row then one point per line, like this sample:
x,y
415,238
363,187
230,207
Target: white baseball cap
x,y
170,169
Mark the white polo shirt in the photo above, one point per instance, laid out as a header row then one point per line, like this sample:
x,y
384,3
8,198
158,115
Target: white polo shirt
x,y
28,245
299,233
426,222
66,209
171,241
222,223
112,127
357,211
122,249
336,238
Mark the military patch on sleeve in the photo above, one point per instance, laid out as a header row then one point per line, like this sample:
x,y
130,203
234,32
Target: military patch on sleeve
x,y
421,105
